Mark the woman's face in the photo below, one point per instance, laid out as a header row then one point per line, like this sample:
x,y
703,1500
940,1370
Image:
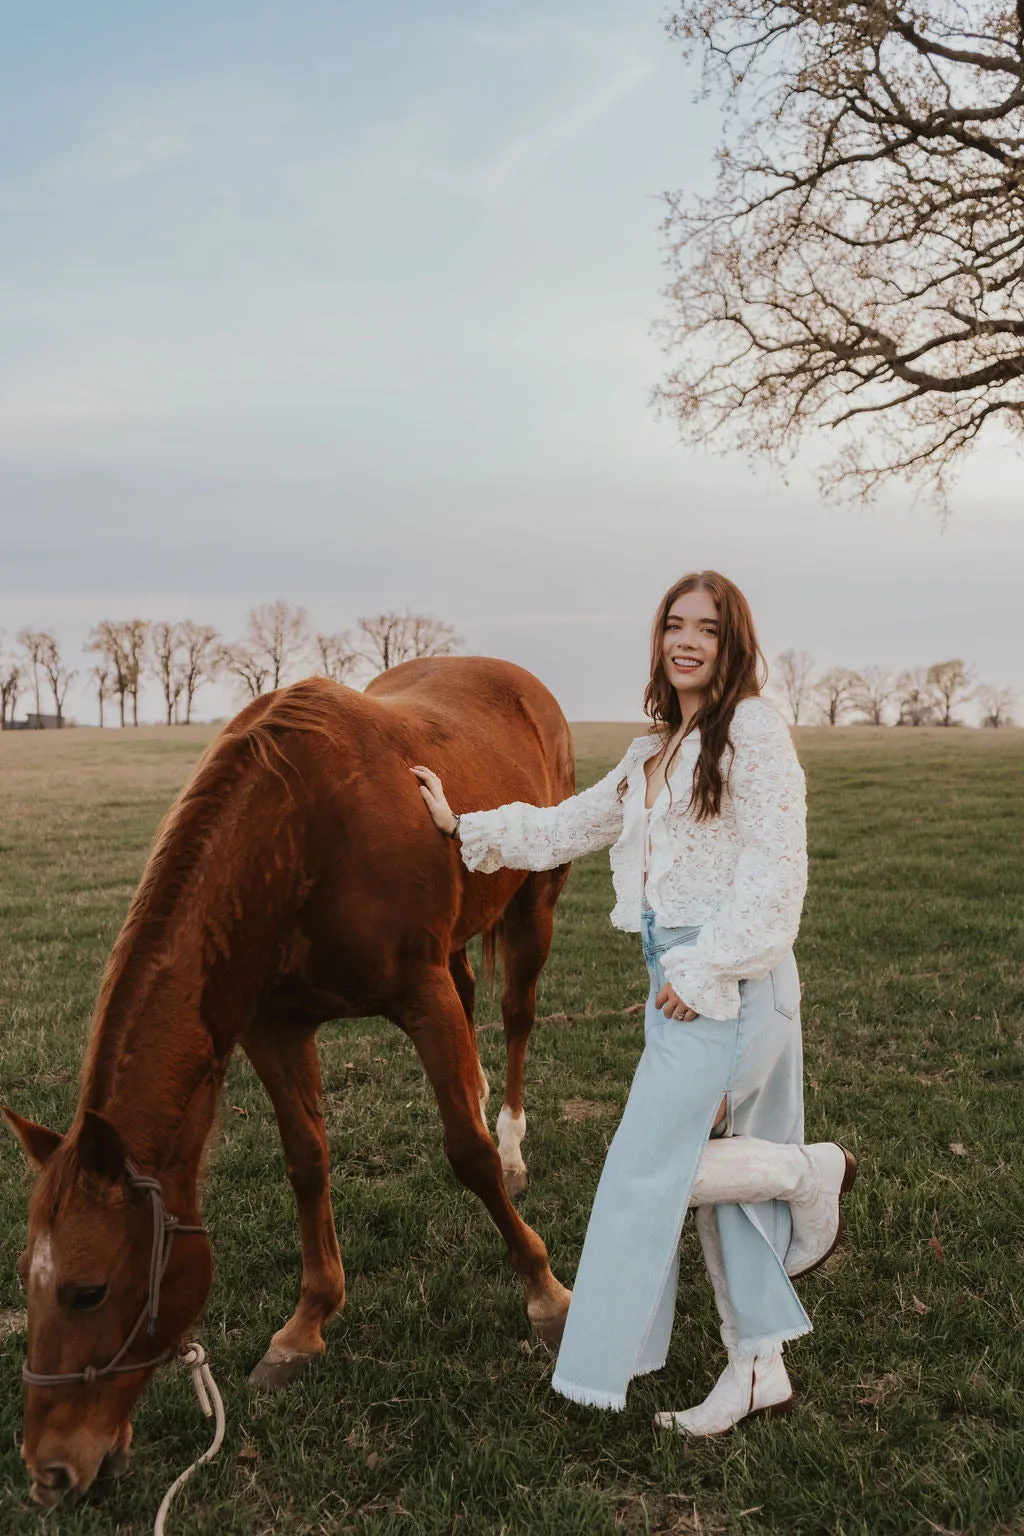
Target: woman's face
x,y
689,646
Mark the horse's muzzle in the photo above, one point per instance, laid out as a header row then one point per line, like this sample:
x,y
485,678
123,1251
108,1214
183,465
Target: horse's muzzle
x,y
55,1483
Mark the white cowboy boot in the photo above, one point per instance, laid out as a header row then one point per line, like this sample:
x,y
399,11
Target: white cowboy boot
x,y
749,1385
739,1170
706,1222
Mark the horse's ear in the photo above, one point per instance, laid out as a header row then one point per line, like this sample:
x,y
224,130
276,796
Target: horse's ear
x,y
37,1142
99,1148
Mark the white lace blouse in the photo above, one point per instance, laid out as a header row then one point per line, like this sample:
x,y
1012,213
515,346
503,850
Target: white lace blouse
x,y
740,877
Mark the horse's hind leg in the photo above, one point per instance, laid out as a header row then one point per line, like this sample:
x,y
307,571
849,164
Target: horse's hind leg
x,y
465,986
289,1067
529,920
435,1021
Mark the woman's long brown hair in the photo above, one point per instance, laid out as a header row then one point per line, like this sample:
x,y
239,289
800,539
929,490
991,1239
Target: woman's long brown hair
x,y
740,673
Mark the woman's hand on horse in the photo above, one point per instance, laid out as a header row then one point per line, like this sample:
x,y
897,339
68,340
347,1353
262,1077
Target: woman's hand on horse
x,y
433,794
672,1005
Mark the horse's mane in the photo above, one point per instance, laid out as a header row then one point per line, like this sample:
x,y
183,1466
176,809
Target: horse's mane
x,y
256,739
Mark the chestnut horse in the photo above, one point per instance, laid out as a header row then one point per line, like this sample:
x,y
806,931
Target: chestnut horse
x,y
298,878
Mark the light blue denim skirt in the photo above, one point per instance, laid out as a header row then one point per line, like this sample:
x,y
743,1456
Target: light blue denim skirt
x,y
620,1318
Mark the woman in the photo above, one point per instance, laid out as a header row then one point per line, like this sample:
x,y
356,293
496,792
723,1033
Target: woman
x,y
706,814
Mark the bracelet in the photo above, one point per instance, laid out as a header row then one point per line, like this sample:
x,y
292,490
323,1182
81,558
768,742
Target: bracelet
x,y
453,834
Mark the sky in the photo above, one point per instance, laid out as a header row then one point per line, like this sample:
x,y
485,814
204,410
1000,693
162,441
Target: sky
x,y
353,306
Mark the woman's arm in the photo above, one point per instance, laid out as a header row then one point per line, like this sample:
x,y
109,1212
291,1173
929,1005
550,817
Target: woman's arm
x,y
757,927
523,836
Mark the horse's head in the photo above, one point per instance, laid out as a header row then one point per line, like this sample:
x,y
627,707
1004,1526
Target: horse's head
x,y
93,1278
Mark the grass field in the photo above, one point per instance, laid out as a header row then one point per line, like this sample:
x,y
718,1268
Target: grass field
x,y
431,1412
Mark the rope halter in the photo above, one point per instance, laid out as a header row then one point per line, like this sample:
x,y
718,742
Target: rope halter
x,y
165,1227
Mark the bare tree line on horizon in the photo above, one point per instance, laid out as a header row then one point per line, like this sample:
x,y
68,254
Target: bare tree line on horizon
x,y
182,656
278,641
919,695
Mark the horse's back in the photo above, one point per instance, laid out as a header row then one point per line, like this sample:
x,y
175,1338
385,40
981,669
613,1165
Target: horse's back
x,y
478,710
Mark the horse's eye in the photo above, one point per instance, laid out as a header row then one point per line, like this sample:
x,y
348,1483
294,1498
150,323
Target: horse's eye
x,y
86,1298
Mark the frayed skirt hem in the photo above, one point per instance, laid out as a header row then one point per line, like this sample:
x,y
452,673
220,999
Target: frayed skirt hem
x,y
767,1344
589,1397
649,1368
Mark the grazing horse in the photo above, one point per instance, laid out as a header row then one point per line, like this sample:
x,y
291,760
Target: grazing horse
x,y
298,878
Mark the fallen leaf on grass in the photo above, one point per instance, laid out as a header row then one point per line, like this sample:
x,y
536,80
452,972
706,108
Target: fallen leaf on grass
x,y
959,1148
936,1247
919,1305
578,1110
874,1401
238,1110
372,1460
249,1453
928,1079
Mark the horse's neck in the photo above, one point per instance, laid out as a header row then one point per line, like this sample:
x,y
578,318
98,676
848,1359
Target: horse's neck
x,y
185,980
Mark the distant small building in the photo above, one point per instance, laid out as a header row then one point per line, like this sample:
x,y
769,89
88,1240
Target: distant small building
x,y
36,723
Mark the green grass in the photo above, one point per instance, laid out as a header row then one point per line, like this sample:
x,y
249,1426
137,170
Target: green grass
x,y
432,1412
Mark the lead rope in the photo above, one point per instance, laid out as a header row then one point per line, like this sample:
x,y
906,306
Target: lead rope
x,y
210,1401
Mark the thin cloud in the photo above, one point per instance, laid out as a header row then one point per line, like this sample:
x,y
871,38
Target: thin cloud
x,y
140,142
568,127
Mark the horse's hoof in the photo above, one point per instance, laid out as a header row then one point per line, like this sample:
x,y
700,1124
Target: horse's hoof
x,y
549,1331
549,1325
515,1181
280,1367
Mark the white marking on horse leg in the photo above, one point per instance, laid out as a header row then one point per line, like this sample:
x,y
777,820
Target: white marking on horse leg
x,y
511,1130
41,1269
485,1092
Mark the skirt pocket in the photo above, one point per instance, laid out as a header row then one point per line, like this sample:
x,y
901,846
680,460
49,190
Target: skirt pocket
x,y
786,988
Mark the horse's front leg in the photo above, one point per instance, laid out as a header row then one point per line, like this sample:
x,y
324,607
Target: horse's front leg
x,y
289,1068
435,1020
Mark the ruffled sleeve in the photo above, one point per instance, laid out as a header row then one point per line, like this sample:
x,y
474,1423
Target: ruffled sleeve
x,y
756,928
522,836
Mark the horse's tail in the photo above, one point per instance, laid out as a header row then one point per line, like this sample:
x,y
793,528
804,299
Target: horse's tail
x,y
490,940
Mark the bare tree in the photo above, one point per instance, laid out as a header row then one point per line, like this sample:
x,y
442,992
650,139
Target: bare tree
x,y
58,675
860,263
250,667
134,633
916,698
123,643
106,639
390,638
836,691
103,681
1000,705
165,640
337,656
952,682
875,689
794,680
200,659
278,633
10,686
34,643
